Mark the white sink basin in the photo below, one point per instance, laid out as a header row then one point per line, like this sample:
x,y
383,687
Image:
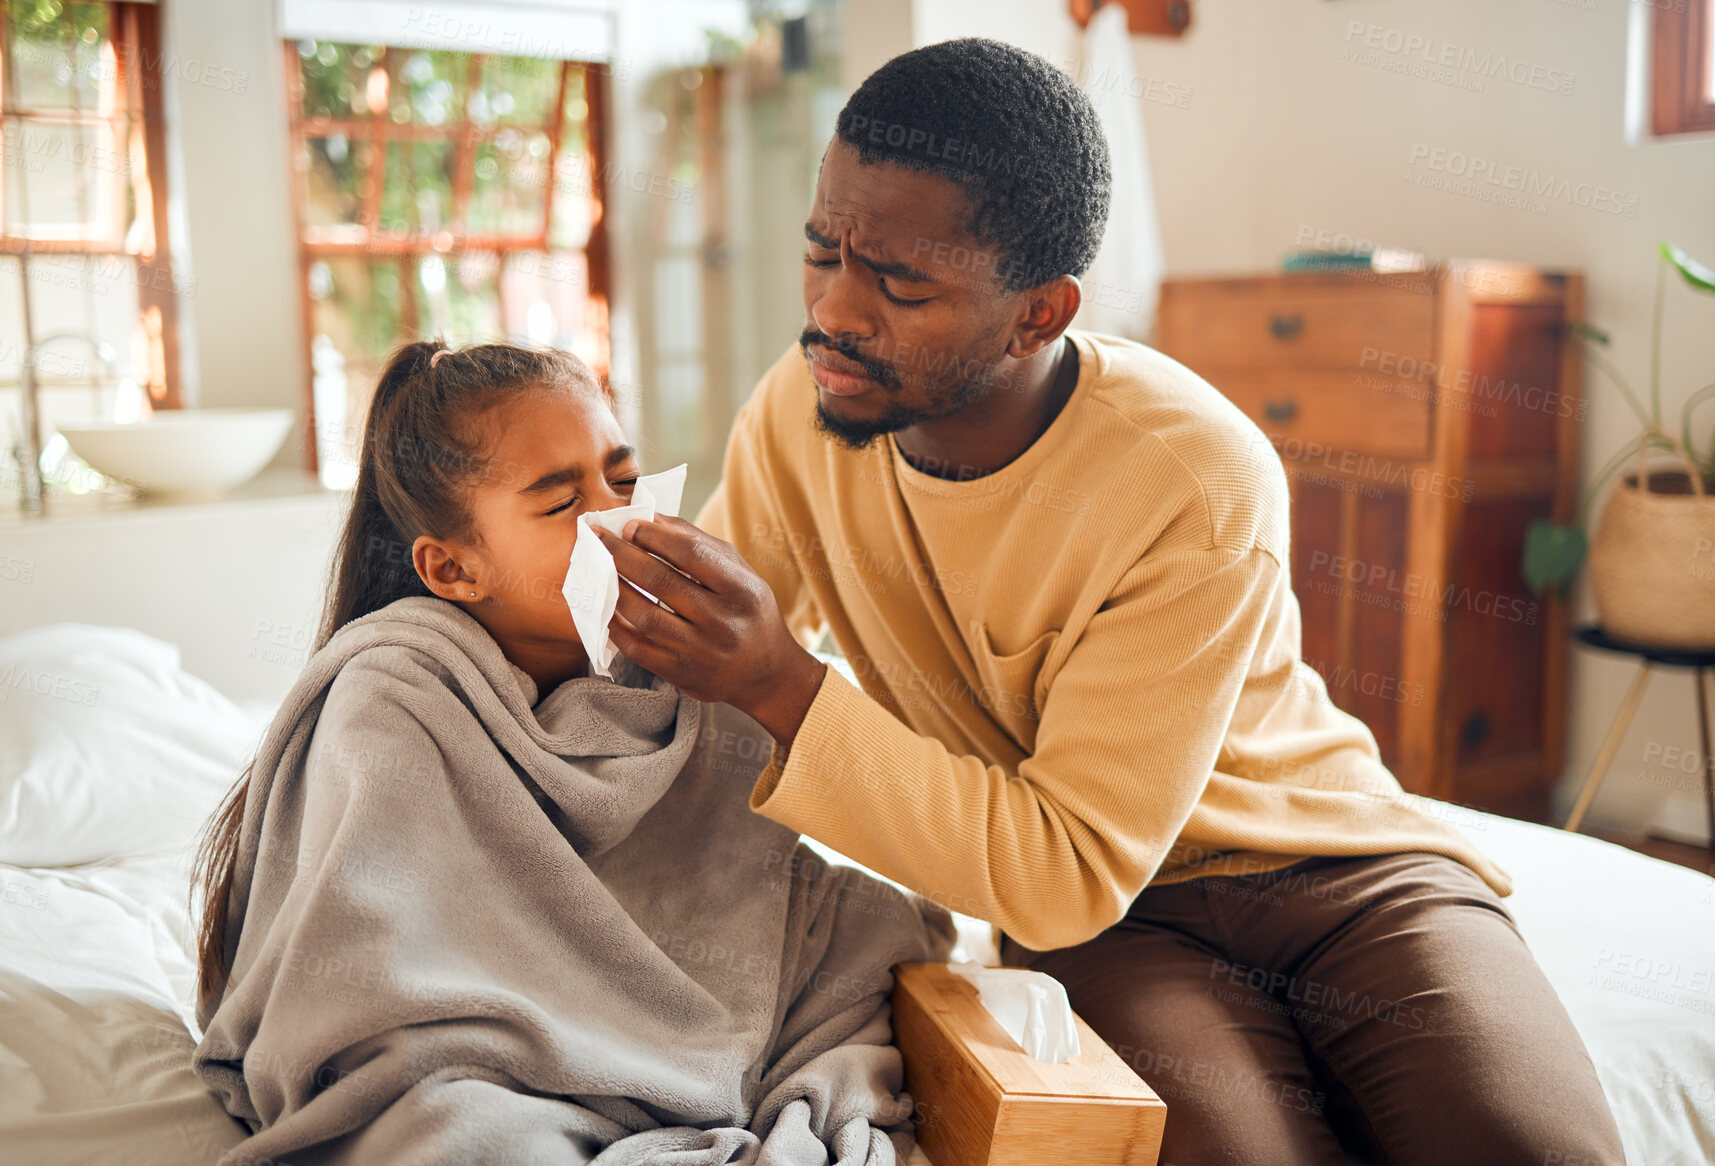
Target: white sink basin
x,y
183,453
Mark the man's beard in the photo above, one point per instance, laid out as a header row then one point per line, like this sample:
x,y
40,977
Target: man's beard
x,y
856,433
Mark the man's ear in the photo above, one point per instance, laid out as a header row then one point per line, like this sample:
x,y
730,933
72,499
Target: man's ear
x,y
439,567
1049,311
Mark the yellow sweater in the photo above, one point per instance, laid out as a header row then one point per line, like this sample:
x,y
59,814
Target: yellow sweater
x,y
1080,673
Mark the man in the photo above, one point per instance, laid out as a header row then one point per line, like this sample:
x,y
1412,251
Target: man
x,y
1057,562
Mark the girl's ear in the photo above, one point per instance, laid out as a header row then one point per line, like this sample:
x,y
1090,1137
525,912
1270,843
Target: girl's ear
x,y
439,568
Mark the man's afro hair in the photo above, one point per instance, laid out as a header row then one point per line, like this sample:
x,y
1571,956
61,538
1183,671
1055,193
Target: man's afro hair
x,y
1014,131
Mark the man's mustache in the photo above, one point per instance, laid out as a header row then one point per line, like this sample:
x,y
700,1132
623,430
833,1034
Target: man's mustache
x,y
882,374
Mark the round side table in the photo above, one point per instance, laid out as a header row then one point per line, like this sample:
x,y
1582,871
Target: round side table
x,y
1699,662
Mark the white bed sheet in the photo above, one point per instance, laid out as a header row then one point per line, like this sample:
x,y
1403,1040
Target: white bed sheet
x,y
95,992
1629,944
95,1047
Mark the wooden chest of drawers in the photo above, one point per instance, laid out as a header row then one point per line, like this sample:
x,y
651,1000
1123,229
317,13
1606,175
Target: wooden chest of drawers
x,y
1424,421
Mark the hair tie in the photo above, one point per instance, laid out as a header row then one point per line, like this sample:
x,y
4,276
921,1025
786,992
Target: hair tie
x,y
438,356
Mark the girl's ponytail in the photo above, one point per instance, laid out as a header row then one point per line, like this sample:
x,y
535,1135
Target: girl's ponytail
x,y
371,568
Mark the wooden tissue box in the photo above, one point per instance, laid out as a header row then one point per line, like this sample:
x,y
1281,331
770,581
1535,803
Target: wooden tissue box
x,y
983,1101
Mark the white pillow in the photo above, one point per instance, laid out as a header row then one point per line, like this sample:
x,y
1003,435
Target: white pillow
x,y
108,747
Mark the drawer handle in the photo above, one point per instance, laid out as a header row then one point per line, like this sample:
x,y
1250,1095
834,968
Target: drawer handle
x,y
1280,411
1286,327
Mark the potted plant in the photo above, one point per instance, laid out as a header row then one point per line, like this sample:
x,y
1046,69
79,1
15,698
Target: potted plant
x,y
1652,555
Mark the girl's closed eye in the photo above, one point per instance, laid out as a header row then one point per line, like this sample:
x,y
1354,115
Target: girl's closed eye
x,y
576,498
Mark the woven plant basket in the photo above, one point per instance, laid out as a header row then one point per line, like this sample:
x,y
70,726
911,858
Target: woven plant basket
x,y
1652,563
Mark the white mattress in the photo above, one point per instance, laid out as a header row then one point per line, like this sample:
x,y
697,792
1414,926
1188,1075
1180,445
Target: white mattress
x,y
95,991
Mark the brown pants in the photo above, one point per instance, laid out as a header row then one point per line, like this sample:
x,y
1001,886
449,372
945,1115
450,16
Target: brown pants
x,y
1384,1007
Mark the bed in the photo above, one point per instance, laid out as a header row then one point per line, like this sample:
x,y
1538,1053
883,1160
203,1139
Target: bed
x,y
111,754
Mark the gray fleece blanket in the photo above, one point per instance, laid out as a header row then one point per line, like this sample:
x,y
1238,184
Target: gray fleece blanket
x,y
468,926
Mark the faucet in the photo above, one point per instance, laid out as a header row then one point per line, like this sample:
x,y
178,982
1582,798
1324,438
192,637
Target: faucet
x,y
30,457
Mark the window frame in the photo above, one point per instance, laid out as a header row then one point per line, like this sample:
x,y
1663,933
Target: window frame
x,y
1681,101
135,33
370,240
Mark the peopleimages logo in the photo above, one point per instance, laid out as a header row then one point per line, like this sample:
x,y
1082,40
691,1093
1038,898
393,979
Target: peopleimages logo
x,y
1367,469
1474,175
1385,586
963,153
1438,60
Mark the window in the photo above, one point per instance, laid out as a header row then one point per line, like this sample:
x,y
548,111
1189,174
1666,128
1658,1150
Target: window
x,y
1683,70
83,216
440,191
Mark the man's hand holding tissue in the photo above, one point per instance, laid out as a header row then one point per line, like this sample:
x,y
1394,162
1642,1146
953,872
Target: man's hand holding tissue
x,y
724,639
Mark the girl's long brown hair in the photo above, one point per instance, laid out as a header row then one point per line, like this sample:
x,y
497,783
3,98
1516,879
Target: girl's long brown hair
x,y
413,478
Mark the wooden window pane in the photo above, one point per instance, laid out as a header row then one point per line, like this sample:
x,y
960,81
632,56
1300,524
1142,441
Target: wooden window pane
x,y
546,294
356,307
518,91
1709,53
67,160
1683,66
336,79
75,178
459,295
576,186
428,203
576,203
576,109
431,87
336,177
511,184
417,193
63,58
82,207
357,304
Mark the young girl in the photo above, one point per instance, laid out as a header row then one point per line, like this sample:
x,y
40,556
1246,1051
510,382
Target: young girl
x,y
471,903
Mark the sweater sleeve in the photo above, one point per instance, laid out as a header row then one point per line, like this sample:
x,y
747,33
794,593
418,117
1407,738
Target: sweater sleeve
x,y
1127,738
745,512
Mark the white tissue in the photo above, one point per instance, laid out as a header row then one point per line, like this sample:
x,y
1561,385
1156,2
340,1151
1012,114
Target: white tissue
x,y
1031,1006
592,581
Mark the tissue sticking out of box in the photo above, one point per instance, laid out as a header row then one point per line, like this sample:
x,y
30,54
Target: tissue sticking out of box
x,y
592,580
1031,1007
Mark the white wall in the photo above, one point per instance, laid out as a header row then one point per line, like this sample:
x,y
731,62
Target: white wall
x,y
243,339
1281,135
237,584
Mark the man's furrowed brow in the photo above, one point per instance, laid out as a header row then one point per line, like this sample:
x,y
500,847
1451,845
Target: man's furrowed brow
x,y
897,270
557,478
